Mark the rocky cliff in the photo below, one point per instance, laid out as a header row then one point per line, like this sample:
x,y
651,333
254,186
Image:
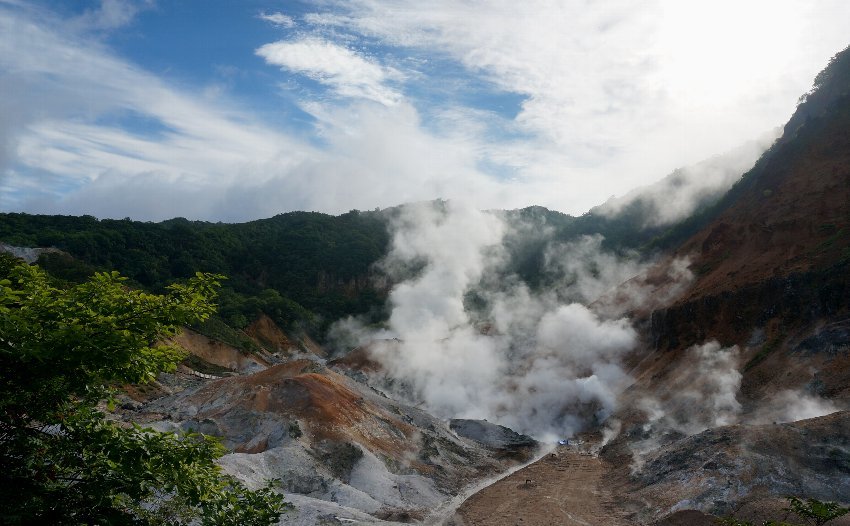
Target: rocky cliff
x,y
760,337
771,266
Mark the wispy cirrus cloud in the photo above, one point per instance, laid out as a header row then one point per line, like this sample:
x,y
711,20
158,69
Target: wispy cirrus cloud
x,y
66,99
84,131
278,19
111,14
346,72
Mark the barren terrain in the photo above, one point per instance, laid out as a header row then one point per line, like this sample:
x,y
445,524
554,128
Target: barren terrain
x,y
564,488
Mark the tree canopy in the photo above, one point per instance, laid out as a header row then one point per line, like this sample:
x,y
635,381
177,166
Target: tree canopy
x,y
61,348
307,258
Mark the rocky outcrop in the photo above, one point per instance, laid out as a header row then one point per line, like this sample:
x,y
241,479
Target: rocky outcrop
x,y
720,470
28,254
270,337
500,438
793,301
771,266
337,443
771,270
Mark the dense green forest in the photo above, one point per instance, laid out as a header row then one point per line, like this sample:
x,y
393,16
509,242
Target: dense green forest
x,y
299,268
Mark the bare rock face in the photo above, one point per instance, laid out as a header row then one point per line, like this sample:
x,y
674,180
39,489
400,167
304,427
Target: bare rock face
x,y
341,450
500,438
721,469
219,353
339,457
688,518
28,254
344,448
271,337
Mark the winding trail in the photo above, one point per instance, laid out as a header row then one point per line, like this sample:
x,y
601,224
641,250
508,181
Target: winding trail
x,y
564,488
446,514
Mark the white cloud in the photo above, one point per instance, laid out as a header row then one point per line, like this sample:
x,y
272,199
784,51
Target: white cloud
x,y
278,19
111,14
620,93
348,73
677,196
615,95
62,91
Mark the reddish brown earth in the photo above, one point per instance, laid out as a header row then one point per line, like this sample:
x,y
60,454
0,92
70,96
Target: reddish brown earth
x,y
793,217
266,332
312,346
772,272
216,352
358,359
779,249
326,407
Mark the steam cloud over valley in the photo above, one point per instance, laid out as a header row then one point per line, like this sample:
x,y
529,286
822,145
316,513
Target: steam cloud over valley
x,y
467,338
470,340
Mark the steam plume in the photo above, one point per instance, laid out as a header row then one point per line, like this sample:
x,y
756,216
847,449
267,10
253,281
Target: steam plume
x,y
522,358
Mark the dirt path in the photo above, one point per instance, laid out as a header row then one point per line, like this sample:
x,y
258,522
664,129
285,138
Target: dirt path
x,y
563,488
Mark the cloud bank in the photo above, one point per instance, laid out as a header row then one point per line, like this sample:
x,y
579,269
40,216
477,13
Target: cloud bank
x,y
558,104
678,195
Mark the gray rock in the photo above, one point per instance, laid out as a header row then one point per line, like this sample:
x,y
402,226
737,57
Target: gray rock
x,y
492,435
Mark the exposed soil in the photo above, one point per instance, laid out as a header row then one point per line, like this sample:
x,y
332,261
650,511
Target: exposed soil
x,y
770,275
790,217
218,353
740,471
564,488
270,336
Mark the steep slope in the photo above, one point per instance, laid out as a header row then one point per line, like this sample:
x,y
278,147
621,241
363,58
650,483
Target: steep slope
x,y
761,336
714,470
339,449
792,217
772,264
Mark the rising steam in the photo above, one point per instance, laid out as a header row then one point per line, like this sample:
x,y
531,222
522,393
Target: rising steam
x,y
701,394
468,345
688,189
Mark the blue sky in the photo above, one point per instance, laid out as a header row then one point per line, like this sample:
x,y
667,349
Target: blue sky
x,y
226,110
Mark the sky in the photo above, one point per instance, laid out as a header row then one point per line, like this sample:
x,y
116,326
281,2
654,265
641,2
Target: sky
x,y
231,111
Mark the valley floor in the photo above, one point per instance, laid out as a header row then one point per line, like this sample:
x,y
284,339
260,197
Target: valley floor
x,y
564,488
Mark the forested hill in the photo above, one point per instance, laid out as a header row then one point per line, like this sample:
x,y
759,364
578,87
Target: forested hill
x,y
300,268
296,267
